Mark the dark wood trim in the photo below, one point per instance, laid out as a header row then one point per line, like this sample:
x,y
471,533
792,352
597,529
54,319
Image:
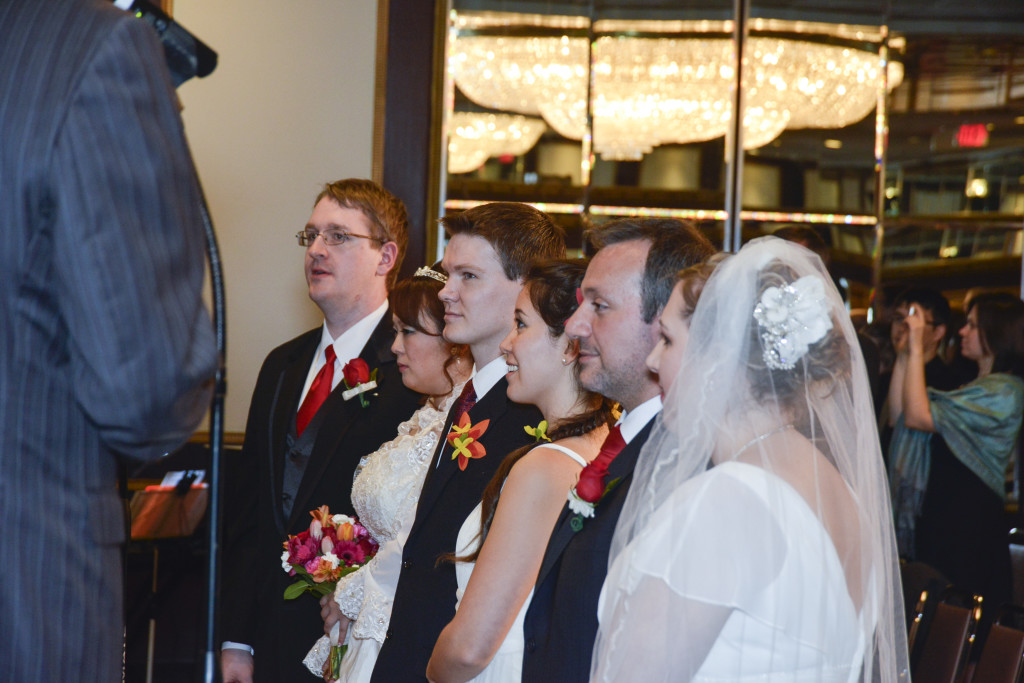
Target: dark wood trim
x,y
410,162
380,91
230,438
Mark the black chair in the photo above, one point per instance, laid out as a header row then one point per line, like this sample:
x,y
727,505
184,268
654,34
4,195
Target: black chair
x,y
1002,657
942,634
1016,538
917,578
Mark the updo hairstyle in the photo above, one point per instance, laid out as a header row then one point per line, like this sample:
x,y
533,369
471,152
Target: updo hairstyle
x,y
826,362
691,282
417,296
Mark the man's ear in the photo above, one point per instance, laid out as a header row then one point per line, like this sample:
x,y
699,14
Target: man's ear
x,y
388,256
938,333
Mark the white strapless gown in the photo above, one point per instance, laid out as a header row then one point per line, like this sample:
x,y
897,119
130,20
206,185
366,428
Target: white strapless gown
x,y
507,665
384,495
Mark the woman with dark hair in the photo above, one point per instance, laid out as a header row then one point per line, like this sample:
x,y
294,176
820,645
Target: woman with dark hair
x,y
756,543
501,544
949,493
388,481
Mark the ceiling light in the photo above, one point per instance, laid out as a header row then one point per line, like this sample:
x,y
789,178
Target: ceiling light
x,y
653,89
474,138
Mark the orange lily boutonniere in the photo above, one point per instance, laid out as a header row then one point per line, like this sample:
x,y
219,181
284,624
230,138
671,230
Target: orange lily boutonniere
x,y
465,440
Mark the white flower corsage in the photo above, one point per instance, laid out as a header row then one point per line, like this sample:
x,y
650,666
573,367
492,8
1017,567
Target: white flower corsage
x,y
578,505
791,318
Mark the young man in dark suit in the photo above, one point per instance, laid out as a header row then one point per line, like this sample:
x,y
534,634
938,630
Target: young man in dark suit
x,y
491,248
303,437
627,284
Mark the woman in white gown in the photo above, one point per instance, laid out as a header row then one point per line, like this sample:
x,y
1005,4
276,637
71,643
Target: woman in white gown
x,y
756,543
388,481
501,544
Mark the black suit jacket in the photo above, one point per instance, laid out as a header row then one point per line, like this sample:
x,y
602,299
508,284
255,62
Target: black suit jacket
x,y
425,598
561,622
255,613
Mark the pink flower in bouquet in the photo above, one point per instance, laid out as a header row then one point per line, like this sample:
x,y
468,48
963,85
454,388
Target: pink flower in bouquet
x,y
301,549
350,552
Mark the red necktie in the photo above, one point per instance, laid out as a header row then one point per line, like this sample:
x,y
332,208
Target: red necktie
x,y
612,446
318,392
466,400
591,485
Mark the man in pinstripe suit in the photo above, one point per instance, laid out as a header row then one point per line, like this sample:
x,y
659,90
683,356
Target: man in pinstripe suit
x,y
105,346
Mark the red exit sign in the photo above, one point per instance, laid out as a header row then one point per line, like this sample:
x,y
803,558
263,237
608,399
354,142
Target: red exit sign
x,y
972,135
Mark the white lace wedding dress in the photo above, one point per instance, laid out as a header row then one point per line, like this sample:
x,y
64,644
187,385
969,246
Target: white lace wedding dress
x,y
384,494
507,664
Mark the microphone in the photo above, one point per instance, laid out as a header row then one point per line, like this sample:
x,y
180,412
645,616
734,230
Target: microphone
x,y
186,55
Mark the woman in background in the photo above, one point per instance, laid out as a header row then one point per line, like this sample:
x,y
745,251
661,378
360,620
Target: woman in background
x,y
949,493
388,481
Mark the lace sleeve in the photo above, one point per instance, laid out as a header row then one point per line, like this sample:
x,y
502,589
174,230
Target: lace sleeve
x,y
349,593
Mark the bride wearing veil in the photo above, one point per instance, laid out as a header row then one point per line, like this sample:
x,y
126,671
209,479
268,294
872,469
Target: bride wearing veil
x,y
757,541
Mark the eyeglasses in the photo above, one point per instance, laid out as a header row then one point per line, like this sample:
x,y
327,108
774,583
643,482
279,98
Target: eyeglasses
x,y
331,238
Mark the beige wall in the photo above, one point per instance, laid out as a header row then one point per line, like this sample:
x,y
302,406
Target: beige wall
x,y
289,107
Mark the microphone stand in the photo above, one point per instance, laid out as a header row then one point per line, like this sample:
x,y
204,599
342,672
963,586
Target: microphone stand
x,y
216,437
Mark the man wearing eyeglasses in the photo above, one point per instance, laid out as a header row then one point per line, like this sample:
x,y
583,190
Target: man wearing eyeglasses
x,y
305,433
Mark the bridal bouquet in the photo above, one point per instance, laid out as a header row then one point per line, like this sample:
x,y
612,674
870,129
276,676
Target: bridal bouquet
x,y
333,546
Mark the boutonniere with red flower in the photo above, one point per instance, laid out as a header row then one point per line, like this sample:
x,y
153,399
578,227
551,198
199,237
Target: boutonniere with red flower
x,y
588,492
358,380
464,438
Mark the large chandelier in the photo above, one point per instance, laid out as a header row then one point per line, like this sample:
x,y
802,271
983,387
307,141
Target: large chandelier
x,y
651,87
473,138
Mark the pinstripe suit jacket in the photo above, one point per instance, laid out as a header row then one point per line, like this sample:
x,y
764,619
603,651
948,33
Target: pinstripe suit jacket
x,y
104,342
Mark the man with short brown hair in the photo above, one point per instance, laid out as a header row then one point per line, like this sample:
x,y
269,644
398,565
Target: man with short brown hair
x,y
305,443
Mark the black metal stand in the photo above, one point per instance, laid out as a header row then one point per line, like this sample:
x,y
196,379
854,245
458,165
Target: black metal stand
x,y
216,438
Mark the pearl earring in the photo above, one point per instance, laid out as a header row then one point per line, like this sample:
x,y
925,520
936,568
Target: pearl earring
x,y
566,361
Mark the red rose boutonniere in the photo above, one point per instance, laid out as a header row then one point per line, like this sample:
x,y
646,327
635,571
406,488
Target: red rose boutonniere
x,y
358,380
465,440
588,492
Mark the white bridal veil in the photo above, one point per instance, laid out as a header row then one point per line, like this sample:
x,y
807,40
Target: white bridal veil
x,y
756,542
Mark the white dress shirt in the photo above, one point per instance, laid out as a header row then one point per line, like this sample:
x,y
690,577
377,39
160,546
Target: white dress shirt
x,y
632,422
347,346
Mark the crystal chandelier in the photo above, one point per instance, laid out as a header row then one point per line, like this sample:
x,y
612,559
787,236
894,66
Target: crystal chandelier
x,y
649,91
474,138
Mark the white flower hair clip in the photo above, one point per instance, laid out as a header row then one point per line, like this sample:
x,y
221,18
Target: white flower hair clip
x,y
791,318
